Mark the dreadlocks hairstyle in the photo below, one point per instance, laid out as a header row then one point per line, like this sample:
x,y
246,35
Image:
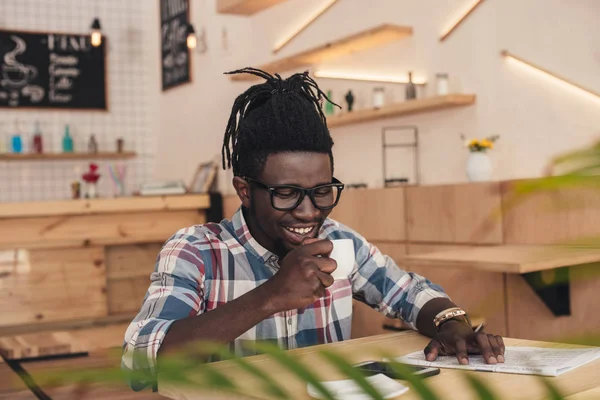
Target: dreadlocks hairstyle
x,y
276,116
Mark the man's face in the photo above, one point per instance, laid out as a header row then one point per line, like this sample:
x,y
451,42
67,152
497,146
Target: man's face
x,y
274,229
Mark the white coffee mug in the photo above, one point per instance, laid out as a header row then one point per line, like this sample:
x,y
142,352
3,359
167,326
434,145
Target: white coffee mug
x,y
343,254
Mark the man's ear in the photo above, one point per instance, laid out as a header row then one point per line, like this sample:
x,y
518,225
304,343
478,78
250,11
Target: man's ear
x,y
242,188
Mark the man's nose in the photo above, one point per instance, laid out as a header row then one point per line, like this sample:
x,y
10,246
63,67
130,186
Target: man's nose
x,y
306,210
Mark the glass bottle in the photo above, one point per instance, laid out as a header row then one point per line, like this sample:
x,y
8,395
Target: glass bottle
x,y
411,90
328,104
67,141
441,84
93,145
16,141
378,97
38,145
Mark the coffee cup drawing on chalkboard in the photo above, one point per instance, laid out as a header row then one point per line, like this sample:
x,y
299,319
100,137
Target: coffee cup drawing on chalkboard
x,y
17,76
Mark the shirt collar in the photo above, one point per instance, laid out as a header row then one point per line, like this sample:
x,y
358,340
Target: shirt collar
x,y
247,240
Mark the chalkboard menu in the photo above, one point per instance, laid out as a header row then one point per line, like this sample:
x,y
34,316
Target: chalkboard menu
x,y
51,70
174,19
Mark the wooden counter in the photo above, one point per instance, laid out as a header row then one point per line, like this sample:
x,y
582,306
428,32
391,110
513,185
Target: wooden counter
x,y
104,206
477,242
513,259
83,260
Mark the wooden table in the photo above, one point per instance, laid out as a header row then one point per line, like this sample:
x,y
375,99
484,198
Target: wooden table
x,y
544,267
517,259
583,383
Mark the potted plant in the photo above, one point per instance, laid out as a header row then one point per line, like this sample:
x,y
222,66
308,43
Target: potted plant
x,y
91,179
479,165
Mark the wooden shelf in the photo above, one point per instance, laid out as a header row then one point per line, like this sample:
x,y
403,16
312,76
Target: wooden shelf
x,y
516,259
404,108
377,36
244,7
67,156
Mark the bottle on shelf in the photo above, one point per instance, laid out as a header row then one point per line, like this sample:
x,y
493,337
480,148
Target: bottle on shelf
x,y
38,145
328,105
67,142
441,84
16,141
378,97
411,89
93,145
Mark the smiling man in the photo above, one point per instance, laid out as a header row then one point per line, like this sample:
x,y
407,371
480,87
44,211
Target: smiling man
x,y
266,274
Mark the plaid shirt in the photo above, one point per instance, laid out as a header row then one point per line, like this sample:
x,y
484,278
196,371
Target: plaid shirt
x,y
205,266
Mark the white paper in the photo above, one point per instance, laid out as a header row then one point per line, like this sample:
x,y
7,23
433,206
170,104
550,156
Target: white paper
x,y
518,360
349,390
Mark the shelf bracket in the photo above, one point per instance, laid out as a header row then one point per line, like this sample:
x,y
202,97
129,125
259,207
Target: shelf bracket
x,y
553,288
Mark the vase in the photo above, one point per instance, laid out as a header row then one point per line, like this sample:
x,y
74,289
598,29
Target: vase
x,y
479,167
91,190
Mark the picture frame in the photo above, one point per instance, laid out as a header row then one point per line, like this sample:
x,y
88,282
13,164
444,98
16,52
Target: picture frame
x,y
204,177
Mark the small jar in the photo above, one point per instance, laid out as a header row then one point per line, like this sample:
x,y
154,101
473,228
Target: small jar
x,y
441,84
378,97
120,145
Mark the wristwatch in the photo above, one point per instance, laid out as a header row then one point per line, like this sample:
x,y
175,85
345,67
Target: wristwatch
x,y
454,313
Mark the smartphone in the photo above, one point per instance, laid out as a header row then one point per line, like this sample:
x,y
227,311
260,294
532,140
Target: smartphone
x,y
379,367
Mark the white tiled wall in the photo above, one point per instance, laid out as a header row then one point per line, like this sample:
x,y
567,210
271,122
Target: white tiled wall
x,y
127,24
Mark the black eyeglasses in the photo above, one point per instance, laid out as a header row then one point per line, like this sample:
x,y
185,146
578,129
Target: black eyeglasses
x,y
288,197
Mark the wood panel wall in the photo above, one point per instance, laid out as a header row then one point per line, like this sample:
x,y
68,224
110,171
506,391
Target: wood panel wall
x,y
454,213
53,285
548,217
80,267
377,214
128,275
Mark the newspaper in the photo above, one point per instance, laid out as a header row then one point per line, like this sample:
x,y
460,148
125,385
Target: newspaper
x,y
518,360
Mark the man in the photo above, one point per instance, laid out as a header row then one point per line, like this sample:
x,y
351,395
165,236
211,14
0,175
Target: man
x,y
266,274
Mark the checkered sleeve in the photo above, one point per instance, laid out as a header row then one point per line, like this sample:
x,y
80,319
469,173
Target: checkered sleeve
x,y
379,282
175,292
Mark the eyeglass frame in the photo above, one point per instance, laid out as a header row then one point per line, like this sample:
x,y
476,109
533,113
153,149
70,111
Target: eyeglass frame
x,y
303,192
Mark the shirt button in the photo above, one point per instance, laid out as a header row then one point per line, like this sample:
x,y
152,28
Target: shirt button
x,y
289,321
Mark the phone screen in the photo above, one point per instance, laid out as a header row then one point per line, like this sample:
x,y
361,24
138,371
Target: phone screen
x,y
380,367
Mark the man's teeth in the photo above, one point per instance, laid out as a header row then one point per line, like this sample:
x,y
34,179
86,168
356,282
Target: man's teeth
x,y
301,231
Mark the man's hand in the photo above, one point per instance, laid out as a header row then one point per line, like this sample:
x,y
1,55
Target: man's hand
x,y
457,338
302,276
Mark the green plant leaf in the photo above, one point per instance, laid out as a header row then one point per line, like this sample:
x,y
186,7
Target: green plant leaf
x,y
351,372
293,366
270,386
483,392
553,393
415,381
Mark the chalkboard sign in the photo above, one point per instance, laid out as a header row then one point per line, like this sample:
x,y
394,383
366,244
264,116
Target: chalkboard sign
x,y
51,70
174,19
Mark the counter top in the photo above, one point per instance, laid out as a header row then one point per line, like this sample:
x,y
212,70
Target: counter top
x,y
516,259
104,206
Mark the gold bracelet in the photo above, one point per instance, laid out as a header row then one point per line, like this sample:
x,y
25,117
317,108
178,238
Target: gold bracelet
x,y
449,313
